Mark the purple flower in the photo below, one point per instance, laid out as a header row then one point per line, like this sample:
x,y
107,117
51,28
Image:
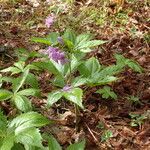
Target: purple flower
x,y
67,88
56,55
60,40
49,20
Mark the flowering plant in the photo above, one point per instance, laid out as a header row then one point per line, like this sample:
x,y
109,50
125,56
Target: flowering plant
x,y
66,58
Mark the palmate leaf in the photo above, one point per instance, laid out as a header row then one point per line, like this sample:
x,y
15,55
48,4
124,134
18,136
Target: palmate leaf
x,y
107,92
77,146
27,121
5,94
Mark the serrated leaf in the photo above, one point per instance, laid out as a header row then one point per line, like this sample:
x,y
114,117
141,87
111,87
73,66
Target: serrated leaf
x,y
134,65
32,81
121,60
27,121
90,67
29,92
54,97
107,92
77,146
14,70
30,137
49,66
5,94
7,143
52,143
32,67
84,43
3,124
74,95
17,84
22,103
20,65
78,81
58,81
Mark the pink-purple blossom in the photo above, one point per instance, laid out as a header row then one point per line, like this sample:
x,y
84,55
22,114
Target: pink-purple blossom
x,y
67,88
56,55
49,20
60,40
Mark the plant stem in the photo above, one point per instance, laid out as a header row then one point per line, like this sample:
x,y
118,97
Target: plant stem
x,y
77,112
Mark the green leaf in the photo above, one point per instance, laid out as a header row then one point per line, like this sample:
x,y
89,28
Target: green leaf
x,y
3,124
107,92
106,135
90,67
30,137
98,80
41,40
14,70
74,95
29,92
32,67
77,146
74,62
54,97
5,94
7,143
27,121
58,81
22,103
32,81
22,54
84,44
70,36
17,84
121,60
52,143
20,65
7,79
78,81
49,66
53,37
18,146
134,65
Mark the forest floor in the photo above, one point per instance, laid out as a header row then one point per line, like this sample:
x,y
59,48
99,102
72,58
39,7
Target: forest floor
x,y
127,32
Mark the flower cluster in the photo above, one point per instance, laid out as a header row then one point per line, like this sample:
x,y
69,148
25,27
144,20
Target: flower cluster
x,y
49,20
56,55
